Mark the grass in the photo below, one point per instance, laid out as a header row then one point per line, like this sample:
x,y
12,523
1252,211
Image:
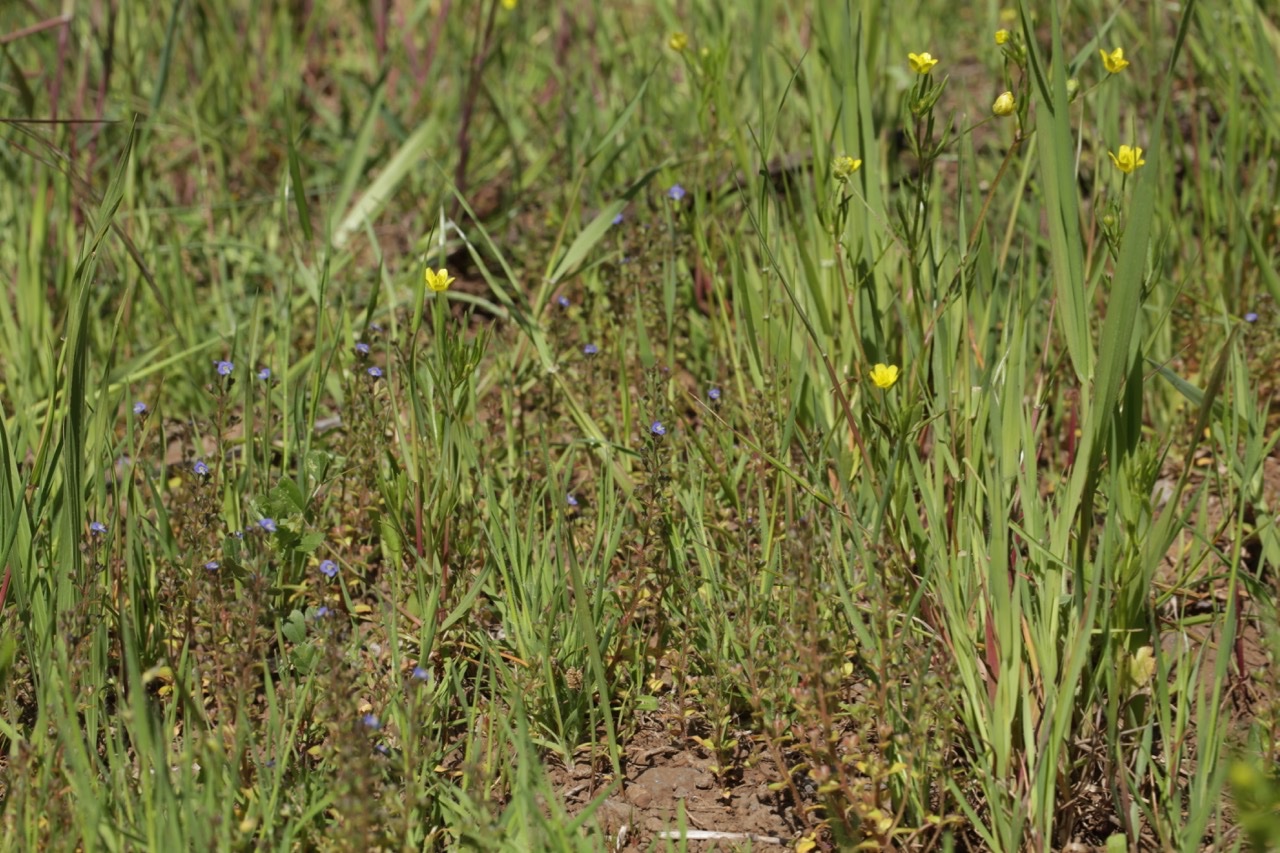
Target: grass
x,y
301,554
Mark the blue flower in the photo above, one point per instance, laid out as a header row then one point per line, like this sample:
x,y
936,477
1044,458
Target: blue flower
x,y
617,220
375,372
97,528
322,612
362,349
371,721
656,428
200,468
590,349
676,193
562,301
268,524
224,368
264,374
714,393
139,408
213,565
375,327
571,500
1251,317
419,674
382,749
329,568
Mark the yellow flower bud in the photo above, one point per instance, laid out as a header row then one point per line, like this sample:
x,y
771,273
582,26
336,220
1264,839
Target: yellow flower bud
x,y
678,42
921,63
844,166
1004,104
1002,36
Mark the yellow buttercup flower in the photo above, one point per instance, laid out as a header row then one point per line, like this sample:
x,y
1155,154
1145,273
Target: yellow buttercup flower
x,y
678,42
921,63
1114,61
439,281
509,4
844,167
1002,36
1004,105
1127,159
884,375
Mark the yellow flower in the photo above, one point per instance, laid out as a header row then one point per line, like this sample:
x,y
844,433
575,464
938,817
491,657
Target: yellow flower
x,y
439,281
508,4
921,63
884,375
1128,159
1002,36
844,167
678,42
1114,61
1004,105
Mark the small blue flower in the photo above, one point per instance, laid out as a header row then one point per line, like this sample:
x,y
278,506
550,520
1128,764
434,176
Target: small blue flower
x,y
617,220
268,524
590,349
375,372
322,612
224,368
97,528
1251,317
382,749
563,301
676,193
714,393
656,428
329,568
264,374
571,500
213,565
371,721
200,468
419,674
139,408
362,349
375,327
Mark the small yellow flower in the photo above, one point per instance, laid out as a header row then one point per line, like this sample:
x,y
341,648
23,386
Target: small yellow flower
x,y
1004,105
439,281
1008,15
884,375
1114,61
1002,36
509,4
921,63
678,42
1128,159
844,167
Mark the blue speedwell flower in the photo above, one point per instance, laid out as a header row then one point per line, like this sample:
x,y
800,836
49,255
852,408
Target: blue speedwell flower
x,y
97,528
590,349
212,565
328,568
371,721
264,374
200,468
268,524
571,500
224,368
420,674
1251,317
617,220
562,301
714,394
139,408
362,349
375,372
656,428
676,193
